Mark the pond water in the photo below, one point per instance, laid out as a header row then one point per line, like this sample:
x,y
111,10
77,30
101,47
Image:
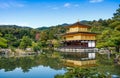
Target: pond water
x,y
30,67
34,72
44,66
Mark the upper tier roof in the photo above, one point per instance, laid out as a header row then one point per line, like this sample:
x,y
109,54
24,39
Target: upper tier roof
x,y
72,33
78,24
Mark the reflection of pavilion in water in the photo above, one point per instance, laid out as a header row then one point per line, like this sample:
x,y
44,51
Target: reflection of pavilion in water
x,y
79,42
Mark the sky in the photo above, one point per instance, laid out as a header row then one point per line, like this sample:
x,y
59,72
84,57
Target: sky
x,y
38,13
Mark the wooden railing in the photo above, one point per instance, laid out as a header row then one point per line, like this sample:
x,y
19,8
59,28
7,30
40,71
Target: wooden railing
x,y
77,49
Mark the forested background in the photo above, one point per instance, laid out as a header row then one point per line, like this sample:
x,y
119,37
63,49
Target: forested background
x,y
23,37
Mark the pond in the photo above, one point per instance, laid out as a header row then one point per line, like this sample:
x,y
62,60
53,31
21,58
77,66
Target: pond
x,y
45,66
34,72
30,67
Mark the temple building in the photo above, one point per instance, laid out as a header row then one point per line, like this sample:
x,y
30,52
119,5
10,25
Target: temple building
x,y
79,36
79,45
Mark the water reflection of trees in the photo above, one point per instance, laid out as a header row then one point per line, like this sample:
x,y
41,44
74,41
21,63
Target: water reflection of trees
x,y
26,63
107,65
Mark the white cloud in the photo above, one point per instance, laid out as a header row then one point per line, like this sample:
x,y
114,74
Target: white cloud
x,y
10,4
67,5
95,1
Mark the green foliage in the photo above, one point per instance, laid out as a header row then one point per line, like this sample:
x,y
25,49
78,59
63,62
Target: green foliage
x,y
17,31
42,44
16,43
43,36
12,49
53,32
104,40
117,14
110,35
14,34
35,46
25,42
56,43
3,42
77,72
10,38
116,37
103,59
0,34
59,76
118,27
109,38
114,24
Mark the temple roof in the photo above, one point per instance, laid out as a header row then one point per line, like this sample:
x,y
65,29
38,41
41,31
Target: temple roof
x,y
79,33
78,24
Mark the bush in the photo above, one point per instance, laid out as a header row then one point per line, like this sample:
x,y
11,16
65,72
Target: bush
x,y
36,48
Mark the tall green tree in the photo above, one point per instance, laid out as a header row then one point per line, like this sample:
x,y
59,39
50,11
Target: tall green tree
x,y
104,40
116,33
43,36
3,42
110,36
10,39
25,42
116,39
117,14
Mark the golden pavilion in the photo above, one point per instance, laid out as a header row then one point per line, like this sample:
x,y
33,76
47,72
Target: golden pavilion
x,y
79,45
79,36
